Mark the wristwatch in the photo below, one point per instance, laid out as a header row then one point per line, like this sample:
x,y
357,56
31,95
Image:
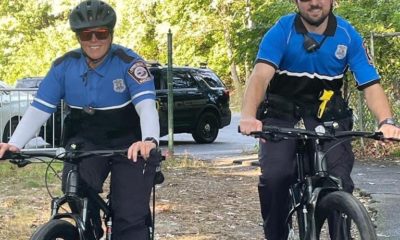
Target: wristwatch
x,y
389,121
153,140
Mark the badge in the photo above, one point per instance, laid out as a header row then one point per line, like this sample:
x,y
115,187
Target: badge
x,y
119,85
341,51
139,72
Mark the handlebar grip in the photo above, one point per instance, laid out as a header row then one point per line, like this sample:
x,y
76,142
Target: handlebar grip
x,y
10,155
16,158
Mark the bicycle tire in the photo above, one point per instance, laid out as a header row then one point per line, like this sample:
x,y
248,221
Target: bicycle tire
x,y
350,208
56,229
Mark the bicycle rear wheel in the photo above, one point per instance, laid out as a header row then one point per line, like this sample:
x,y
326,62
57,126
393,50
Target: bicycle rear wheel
x,y
56,229
352,222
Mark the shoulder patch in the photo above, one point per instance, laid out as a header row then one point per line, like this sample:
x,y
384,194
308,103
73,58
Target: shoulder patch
x,y
123,55
73,54
139,72
367,53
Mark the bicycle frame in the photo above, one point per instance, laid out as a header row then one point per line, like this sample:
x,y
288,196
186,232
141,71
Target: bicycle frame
x,y
71,197
308,187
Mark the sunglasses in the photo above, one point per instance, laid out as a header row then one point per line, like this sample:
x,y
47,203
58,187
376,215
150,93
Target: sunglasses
x,y
101,34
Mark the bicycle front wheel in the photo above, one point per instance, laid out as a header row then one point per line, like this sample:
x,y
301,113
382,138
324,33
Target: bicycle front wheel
x,y
56,229
348,218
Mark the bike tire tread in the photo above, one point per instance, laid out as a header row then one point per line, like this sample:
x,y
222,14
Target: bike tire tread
x,y
56,228
349,205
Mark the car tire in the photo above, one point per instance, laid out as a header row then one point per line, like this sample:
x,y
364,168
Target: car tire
x,y
206,129
6,132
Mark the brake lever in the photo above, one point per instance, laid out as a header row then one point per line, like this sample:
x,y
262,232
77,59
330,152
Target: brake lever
x,y
20,162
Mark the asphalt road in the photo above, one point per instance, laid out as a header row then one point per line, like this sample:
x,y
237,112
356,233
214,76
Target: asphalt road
x,y
382,182
229,143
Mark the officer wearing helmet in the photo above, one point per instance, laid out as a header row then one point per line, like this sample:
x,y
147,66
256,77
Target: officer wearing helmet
x,y
110,95
302,59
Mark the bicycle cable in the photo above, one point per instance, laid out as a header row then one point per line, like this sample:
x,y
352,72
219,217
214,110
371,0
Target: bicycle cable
x,y
325,156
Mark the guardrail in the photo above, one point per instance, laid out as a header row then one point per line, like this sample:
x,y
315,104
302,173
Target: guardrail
x,y
13,104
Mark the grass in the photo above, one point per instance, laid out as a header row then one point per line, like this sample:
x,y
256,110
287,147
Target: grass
x,y
21,187
185,161
31,176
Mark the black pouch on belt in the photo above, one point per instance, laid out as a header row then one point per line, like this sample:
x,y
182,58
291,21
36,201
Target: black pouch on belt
x,y
275,106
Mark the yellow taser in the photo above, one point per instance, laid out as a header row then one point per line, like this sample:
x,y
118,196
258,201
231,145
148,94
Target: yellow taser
x,y
325,97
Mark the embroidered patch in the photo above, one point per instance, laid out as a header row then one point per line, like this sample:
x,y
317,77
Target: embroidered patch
x,y
139,72
369,57
341,51
119,85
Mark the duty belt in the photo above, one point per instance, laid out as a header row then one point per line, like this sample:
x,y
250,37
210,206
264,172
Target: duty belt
x,y
278,106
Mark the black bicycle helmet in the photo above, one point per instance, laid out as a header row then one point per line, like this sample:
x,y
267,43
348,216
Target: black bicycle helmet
x,y
92,13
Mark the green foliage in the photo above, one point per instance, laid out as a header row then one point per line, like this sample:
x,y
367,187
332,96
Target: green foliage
x,y
225,34
31,37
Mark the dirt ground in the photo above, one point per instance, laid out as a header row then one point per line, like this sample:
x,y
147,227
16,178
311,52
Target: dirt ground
x,y
218,201
197,201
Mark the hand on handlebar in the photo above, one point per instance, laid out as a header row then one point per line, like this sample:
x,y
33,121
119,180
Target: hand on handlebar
x,y
249,124
4,147
390,131
144,147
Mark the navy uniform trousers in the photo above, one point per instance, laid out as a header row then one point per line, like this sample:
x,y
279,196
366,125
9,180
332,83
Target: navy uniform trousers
x,y
130,190
278,172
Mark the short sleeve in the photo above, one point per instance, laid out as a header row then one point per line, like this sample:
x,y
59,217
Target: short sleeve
x,y
50,92
360,62
272,46
140,81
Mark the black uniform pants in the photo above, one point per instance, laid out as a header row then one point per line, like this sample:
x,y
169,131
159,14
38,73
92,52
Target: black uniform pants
x,y
278,172
131,184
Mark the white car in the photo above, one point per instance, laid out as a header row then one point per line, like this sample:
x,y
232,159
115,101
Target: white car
x,y
13,105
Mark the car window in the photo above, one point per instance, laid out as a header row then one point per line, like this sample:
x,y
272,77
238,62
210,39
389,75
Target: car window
x,y
182,80
209,77
4,85
159,81
28,83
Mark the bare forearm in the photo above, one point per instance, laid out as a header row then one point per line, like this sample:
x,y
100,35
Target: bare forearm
x,y
377,102
255,89
252,98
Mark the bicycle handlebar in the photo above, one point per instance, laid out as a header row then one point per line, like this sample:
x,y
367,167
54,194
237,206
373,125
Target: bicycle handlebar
x,y
321,132
21,159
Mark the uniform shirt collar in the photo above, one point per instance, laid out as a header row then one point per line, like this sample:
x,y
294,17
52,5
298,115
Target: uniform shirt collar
x,y
329,31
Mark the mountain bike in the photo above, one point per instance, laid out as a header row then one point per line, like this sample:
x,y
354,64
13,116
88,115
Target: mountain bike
x,y
316,195
74,223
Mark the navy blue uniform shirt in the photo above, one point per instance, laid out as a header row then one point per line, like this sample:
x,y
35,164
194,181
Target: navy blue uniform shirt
x,y
299,72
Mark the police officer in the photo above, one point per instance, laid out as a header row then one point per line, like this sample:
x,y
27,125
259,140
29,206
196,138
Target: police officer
x,y
303,57
111,97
